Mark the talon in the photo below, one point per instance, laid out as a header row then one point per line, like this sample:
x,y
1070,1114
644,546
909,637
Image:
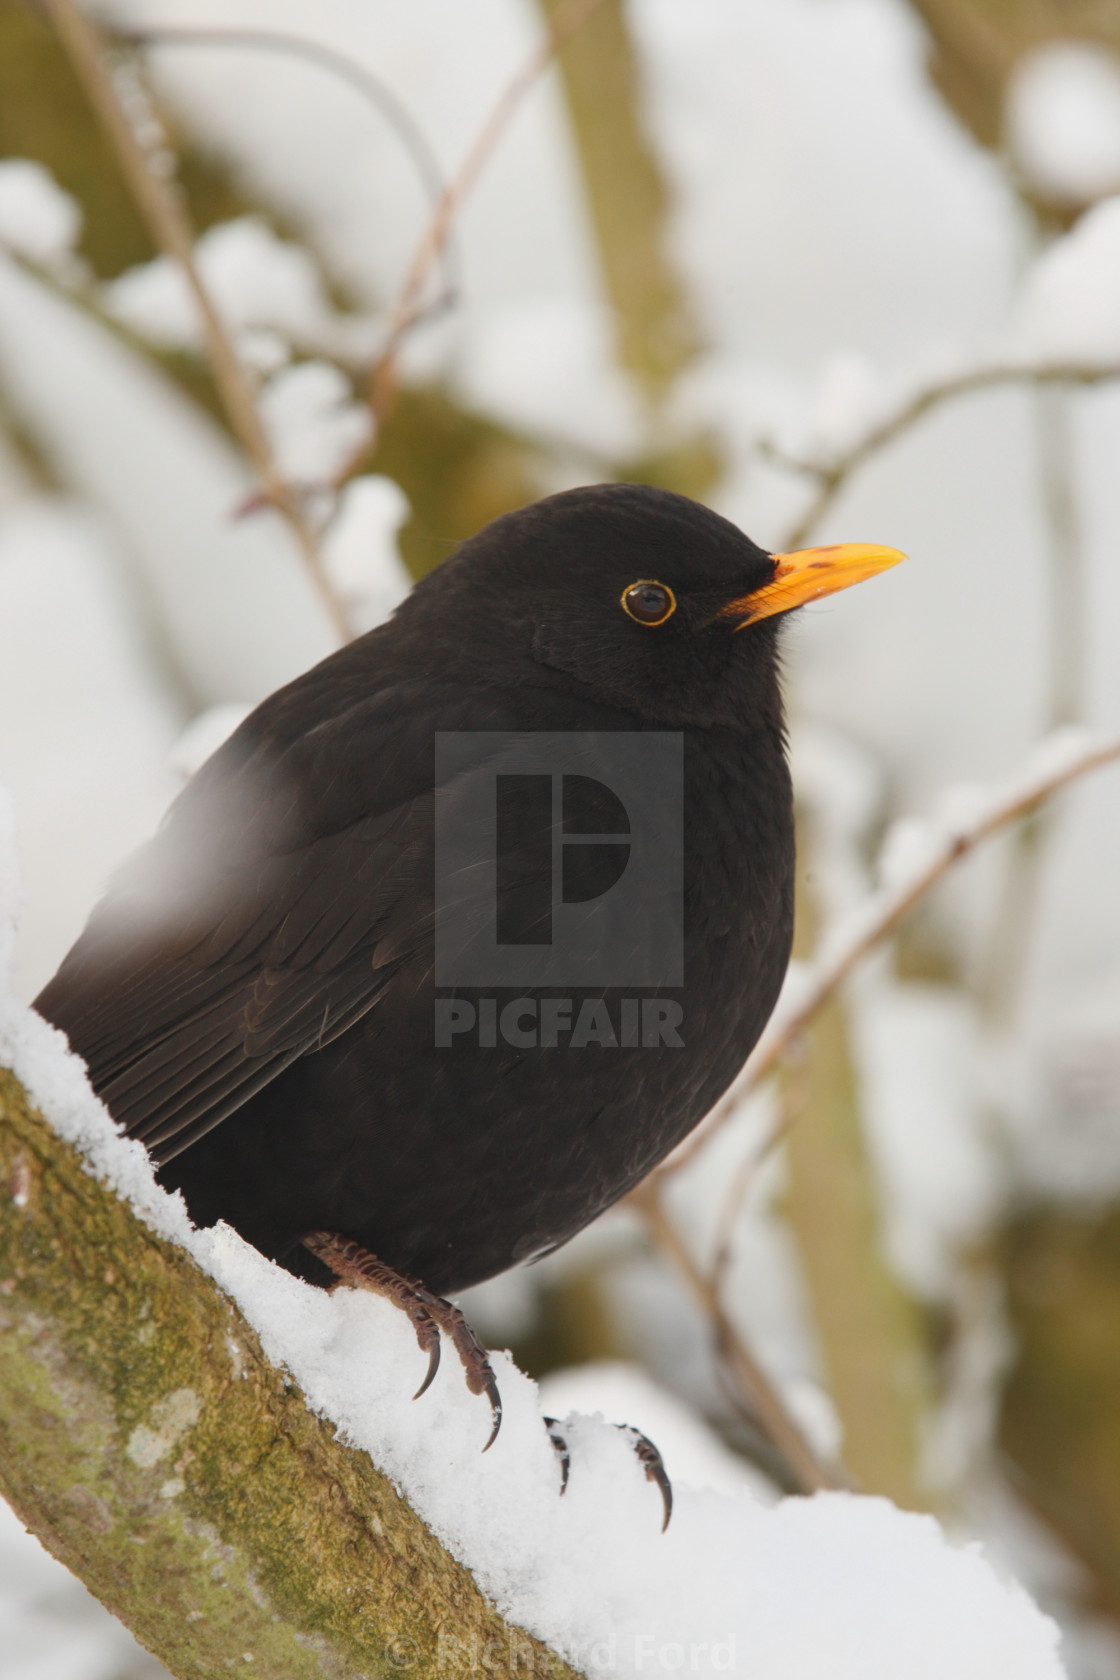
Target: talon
x,y
560,1447
472,1356
427,1313
433,1362
654,1466
495,1400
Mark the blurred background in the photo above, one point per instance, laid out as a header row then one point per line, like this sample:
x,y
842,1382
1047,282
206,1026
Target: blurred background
x,y
844,269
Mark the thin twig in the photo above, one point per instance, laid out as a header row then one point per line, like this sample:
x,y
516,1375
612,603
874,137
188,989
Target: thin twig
x,y
378,93
880,916
884,911
409,305
763,1400
795,1091
1004,962
833,475
171,230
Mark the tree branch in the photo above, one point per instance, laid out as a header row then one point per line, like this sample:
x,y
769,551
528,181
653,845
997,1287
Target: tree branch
x,y
753,1390
152,1448
166,217
833,475
410,305
371,88
878,918
836,960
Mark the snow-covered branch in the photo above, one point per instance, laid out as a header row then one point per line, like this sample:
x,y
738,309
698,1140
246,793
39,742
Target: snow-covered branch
x,y
167,220
153,1436
832,472
150,1443
916,856
410,306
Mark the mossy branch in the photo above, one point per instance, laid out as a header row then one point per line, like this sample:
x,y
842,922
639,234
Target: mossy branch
x,y
150,1445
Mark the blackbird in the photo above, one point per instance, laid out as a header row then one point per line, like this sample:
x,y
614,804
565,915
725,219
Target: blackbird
x,y
588,688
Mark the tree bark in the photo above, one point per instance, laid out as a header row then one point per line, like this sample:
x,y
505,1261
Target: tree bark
x,y
154,1450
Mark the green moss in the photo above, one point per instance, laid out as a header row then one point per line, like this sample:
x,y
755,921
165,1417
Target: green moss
x,y
44,115
148,1442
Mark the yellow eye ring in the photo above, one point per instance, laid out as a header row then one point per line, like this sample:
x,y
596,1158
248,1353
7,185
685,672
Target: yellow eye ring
x,y
648,602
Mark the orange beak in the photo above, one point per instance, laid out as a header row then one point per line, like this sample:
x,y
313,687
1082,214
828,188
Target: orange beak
x,y
808,575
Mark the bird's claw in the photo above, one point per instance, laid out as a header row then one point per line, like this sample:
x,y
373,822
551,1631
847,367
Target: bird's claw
x,y
431,1336
427,1313
560,1447
647,1454
472,1355
495,1400
654,1466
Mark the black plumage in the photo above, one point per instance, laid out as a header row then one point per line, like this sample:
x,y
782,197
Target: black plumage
x,y
254,995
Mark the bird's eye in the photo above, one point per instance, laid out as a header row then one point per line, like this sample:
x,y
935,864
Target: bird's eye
x,y
649,602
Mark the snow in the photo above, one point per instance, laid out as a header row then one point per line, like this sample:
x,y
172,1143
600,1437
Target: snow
x,y
51,1627
38,221
313,422
963,813
1069,307
73,658
916,1054
360,549
917,1049
836,1587
229,601
693,1455
848,401
837,230
1063,120
255,281
546,366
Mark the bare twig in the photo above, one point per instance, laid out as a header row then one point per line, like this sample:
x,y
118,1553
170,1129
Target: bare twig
x,y
1004,963
795,1090
171,230
376,92
880,916
409,306
751,1382
833,475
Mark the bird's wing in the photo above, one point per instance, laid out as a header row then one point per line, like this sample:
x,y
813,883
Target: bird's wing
x,y
184,1004
290,882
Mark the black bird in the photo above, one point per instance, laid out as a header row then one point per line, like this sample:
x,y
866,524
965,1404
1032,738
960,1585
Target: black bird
x,y
259,995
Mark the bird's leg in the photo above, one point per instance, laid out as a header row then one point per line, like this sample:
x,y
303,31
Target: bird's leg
x,y
647,1454
427,1313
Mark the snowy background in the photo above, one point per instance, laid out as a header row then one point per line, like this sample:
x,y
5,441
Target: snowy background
x,y
846,216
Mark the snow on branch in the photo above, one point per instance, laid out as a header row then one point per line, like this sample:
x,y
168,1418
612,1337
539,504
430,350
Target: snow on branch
x,y
410,307
832,472
163,210
916,855
155,1450
373,89
231,1460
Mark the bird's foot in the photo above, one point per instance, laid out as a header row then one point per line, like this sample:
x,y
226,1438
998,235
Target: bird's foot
x,y
647,1454
427,1313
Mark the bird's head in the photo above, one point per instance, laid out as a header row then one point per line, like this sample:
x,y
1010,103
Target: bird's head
x,y
639,597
